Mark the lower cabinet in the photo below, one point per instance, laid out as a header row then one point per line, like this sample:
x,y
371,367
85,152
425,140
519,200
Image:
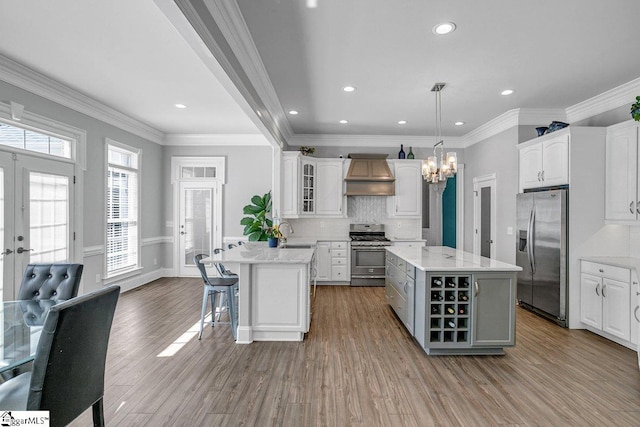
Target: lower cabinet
x,y
453,312
400,289
605,291
332,259
494,310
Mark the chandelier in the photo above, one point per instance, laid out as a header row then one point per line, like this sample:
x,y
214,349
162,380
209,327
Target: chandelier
x,y
437,170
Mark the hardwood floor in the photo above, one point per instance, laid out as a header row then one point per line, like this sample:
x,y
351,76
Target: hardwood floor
x,y
357,367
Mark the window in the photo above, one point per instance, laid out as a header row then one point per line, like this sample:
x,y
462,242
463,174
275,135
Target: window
x,y
23,139
122,209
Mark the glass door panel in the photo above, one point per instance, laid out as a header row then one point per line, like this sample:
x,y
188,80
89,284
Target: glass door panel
x,y
196,223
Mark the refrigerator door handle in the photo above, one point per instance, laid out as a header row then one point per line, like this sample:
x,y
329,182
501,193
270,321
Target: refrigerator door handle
x,y
531,242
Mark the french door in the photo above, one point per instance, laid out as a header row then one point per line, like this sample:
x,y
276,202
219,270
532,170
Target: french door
x,y
36,200
199,213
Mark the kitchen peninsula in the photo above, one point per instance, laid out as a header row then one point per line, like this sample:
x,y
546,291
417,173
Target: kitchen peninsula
x,y
451,301
274,291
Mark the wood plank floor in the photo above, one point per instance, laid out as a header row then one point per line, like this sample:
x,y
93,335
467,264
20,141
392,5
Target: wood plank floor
x,y
357,367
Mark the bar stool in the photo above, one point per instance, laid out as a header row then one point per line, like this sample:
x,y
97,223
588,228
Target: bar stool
x,y
226,288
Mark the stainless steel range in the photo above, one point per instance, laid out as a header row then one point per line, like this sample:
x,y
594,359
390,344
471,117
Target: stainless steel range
x,y
367,254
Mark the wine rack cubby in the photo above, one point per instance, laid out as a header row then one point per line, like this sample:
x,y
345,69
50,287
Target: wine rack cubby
x,y
449,309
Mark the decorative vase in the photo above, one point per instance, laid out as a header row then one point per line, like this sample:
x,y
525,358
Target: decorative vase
x,y
273,242
541,130
401,154
410,155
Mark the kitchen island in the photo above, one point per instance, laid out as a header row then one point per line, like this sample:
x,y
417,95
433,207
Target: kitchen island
x,y
451,301
274,302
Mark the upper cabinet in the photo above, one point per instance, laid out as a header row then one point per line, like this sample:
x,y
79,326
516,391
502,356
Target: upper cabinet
x,y
622,198
407,201
312,187
544,162
329,192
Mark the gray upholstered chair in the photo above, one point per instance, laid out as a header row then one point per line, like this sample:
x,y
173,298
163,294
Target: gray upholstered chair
x,y
226,288
68,369
57,282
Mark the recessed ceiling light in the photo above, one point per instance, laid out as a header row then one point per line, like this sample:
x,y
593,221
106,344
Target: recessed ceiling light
x,y
444,28
293,112
402,122
506,92
181,106
343,122
349,89
458,123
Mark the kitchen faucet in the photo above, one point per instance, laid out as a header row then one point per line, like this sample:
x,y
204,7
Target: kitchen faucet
x,y
284,236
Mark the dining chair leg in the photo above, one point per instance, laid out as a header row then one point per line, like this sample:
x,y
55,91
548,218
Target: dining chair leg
x,y
98,413
204,310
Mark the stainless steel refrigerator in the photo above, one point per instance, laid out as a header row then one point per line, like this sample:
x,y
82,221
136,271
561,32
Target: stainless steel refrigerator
x,y
542,252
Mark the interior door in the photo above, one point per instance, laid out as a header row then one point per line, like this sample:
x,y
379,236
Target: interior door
x,y
36,222
197,231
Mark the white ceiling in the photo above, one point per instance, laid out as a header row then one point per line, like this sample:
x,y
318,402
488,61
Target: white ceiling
x,y
129,55
125,54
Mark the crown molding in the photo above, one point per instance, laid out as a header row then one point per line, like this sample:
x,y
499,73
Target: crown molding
x,y
215,139
492,127
25,78
238,36
622,95
370,140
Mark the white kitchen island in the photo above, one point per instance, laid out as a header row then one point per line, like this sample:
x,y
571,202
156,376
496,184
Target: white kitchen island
x,y
274,302
451,301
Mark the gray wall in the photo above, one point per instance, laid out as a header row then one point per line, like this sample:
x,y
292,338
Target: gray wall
x,y
248,172
94,205
497,154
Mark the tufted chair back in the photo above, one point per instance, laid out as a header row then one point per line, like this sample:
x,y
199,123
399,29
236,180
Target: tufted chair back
x,y
57,282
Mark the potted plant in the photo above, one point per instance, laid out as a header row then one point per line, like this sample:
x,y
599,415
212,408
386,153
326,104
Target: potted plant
x,y
274,235
307,151
635,109
258,223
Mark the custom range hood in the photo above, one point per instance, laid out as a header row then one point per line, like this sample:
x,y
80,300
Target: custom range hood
x,y
369,175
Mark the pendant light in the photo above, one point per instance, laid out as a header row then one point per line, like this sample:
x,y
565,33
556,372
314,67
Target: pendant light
x,y
436,169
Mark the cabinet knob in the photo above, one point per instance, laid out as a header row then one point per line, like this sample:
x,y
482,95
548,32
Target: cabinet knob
x,y
601,270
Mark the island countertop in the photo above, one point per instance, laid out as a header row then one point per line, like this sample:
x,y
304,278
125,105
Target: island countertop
x,y
442,258
259,253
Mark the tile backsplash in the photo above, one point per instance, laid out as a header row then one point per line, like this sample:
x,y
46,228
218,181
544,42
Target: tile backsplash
x,y
367,209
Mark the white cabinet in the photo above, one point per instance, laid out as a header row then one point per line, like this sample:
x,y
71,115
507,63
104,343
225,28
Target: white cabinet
x,y
634,307
333,261
330,196
545,162
308,184
622,198
323,261
312,187
290,184
604,299
407,201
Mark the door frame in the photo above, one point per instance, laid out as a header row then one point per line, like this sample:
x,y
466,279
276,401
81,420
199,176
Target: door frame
x,y
480,182
177,163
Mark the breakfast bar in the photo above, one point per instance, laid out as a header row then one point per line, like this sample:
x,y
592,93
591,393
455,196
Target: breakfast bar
x,y
451,301
274,301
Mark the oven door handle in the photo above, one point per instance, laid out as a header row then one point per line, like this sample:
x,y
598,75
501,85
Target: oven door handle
x,y
368,248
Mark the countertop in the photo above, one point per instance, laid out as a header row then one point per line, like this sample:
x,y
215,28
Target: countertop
x,y
259,253
618,261
442,258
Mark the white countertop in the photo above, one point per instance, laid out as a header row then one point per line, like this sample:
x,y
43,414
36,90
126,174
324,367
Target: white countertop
x,y
618,261
260,252
442,258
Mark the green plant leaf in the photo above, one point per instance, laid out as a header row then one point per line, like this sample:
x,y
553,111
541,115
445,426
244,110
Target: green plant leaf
x,y
247,220
258,201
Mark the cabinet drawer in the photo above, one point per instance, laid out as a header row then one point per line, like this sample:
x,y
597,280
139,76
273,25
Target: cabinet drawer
x,y
401,264
604,270
339,253
410,270
391,258
338,261
339,245
339,273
